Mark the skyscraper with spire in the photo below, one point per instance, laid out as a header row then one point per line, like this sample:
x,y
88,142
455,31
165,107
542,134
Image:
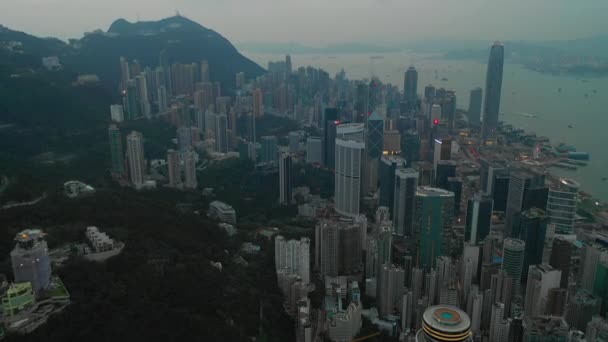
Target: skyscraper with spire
x,y
491,107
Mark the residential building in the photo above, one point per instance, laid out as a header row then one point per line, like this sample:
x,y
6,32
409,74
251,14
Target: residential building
x,y
285,179
190,182
116,151
135,157
222,212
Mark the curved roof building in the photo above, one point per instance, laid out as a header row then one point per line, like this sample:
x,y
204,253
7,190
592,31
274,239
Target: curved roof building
x,y
444,323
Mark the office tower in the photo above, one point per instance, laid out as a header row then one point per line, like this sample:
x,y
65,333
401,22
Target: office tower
x,y
116,113
391,289
285,179
518,199
600,287
388,166
475,100
445,169
314,150
493,89
293,256
330,124
545,328
410,87
118,162
175,179
375,135
454,184
561,205
406,184
581,308
435,115
30,259
541,278
362,102
444,323
349,161
448,108
221,133
479,218
190,170
501,192
442,150
270,150
591,255
135,157
531,227
430,287
434,215
488,172
513,261
407,310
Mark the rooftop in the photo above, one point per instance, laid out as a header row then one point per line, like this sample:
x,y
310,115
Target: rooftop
x,y
430,191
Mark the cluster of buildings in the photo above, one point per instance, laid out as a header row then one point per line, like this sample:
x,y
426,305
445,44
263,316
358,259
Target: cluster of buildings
x,y
35,293
470,237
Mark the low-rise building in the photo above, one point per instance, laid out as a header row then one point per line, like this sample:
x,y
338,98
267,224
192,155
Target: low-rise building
x,y
222,212
74,189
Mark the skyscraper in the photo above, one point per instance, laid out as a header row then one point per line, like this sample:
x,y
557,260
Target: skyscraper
x,y
258,103
330,124
406,184
513,262
30,259
491,106
479,218
520,184
375,135
293,255
434,215
388,166
541,278
349,161
475,101
135,156
410,87
175,179
531,227
581,308
561,255
285,179
190,170
391,289
561,205
117,154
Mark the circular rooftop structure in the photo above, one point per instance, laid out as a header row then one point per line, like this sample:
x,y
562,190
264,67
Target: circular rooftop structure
x,y
444,323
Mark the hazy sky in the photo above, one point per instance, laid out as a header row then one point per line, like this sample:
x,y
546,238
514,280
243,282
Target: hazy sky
x,y
317,22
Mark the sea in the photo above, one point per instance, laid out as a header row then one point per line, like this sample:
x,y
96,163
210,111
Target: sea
x,y
566,108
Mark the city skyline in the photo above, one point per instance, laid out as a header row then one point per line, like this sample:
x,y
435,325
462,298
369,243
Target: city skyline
x,y
565,20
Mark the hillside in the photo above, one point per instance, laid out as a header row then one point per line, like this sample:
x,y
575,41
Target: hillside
x,y
185,41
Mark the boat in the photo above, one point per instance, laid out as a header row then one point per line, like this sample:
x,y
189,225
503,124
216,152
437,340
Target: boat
x,y
604,178
559,90
444,79
570,126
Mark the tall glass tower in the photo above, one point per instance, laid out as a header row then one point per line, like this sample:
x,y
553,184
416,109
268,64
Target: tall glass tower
x,y
491,107
513,262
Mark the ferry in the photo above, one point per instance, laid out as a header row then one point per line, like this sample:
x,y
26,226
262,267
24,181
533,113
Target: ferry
x,y
528,115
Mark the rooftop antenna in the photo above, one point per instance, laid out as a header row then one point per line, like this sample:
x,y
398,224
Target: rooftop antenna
x,y
137,16
177,14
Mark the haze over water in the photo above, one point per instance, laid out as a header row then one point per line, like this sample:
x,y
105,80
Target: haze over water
x,y
523,91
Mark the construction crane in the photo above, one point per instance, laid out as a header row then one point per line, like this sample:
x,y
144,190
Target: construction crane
x,y
366,337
